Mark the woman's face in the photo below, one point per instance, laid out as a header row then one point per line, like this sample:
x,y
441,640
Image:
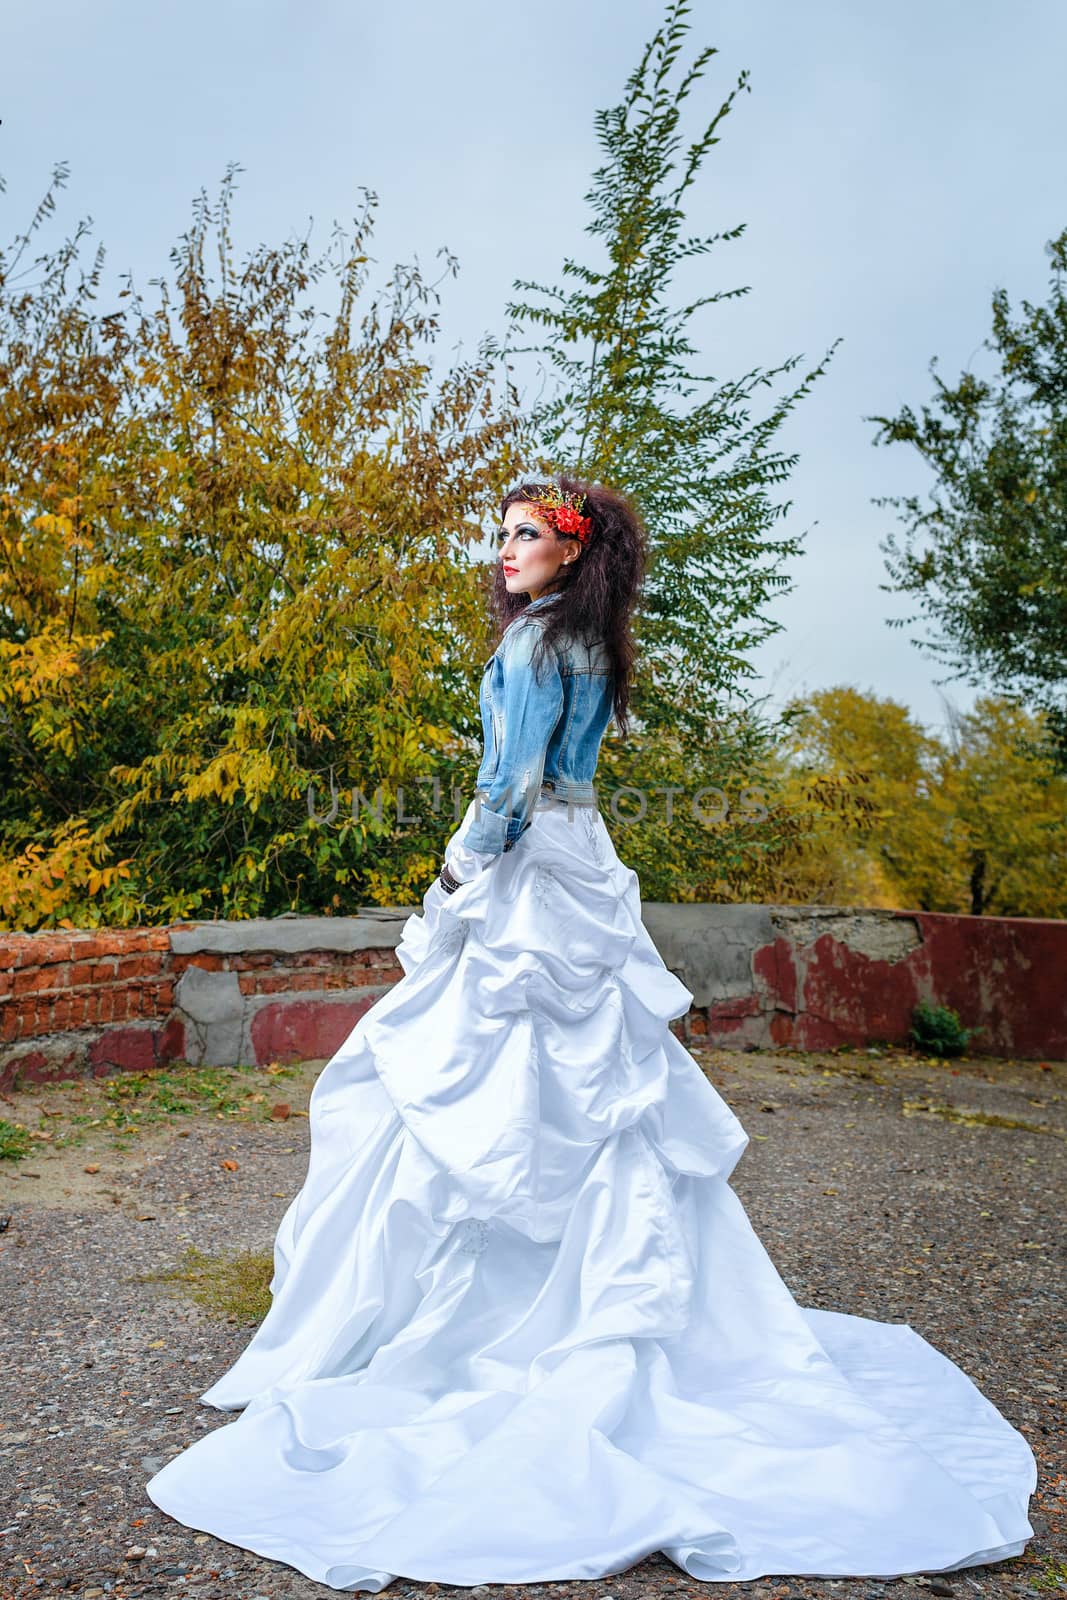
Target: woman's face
x,y
530,551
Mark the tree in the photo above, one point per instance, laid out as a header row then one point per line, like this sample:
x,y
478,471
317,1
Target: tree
x,y
985,554
972,823
627,406
233,531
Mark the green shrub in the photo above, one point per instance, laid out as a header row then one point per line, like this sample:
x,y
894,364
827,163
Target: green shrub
x,y
938,1031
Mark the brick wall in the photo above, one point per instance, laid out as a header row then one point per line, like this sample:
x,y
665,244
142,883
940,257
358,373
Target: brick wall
x,y
289,987
131,999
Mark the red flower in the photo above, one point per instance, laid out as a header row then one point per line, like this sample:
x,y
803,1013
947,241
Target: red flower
x,y
564,514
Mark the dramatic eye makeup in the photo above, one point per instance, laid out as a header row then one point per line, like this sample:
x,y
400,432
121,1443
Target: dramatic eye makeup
x,y
523,527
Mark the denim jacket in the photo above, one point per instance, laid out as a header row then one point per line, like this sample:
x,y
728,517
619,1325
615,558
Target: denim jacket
x,y
542,733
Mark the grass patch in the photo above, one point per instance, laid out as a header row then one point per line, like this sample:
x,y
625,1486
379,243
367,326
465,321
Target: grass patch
x,y
969,1118
123,1104
136,1099
234,1287
1052,1579
14,1141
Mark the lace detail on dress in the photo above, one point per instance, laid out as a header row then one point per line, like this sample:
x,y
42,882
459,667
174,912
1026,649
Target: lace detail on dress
x,y
451,939
544,885
591,824
474,1235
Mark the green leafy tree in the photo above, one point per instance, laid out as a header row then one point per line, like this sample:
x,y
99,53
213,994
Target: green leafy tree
x,y
700,457
985,553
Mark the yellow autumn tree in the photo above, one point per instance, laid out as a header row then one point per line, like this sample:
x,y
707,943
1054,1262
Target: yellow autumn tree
x,y
237,611
974,821
1009,797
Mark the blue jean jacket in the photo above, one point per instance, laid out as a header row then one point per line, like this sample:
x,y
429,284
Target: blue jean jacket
x,y
542,729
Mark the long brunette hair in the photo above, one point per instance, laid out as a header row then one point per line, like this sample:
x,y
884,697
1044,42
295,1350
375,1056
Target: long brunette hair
x,y
599,591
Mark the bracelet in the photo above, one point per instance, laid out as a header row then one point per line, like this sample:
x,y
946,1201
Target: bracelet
x,y
448,882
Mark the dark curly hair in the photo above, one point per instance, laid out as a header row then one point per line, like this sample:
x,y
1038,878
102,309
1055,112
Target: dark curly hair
x,y
600,590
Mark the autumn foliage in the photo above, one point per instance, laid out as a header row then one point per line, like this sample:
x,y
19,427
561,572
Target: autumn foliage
x,y
234,580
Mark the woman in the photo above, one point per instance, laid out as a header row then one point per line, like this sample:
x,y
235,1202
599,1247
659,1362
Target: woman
x,y
521,1327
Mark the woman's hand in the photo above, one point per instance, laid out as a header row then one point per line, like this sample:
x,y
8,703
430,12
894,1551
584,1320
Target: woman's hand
x,y
462,864
448,881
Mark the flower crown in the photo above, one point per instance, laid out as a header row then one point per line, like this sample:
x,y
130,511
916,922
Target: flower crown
x,y
564,512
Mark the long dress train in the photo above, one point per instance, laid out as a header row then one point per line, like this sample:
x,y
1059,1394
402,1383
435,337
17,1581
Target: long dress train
x,y
521,1326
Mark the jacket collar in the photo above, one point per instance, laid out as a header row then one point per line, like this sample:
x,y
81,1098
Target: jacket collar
x,y
542,600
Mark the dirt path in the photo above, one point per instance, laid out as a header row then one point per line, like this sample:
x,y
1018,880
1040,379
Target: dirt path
x,y
880,1184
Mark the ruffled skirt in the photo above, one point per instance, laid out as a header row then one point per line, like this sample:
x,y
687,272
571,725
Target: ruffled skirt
x,y
521,1327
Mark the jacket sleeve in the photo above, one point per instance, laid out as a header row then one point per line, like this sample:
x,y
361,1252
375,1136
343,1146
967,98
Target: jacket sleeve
x,y
533,703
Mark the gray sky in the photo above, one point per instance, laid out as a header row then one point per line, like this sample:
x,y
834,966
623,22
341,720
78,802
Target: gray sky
x,y
893,166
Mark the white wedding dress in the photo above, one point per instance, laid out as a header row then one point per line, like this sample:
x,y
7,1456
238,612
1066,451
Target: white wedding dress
x,y
521,1326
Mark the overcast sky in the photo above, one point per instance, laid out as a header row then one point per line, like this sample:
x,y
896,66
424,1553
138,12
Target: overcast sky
x,y
894,165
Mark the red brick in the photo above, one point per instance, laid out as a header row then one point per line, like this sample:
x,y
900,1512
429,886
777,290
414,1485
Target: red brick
x,y
139,966
106,942
300,982
301,1029
153,1003
132,1049
35,1015
30,980
25,1068
52,949
206,961
170,1041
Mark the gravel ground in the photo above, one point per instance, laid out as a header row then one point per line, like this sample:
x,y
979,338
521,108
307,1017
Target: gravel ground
x,y
866,1201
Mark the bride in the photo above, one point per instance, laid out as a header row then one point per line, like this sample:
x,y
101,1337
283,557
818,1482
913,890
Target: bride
x,y
521,1328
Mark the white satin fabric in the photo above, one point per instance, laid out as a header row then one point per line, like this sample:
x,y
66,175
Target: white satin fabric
x,y
522,1328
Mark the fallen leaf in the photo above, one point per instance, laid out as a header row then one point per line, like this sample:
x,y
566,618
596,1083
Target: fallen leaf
x,y
230,1166
280,1111
92,1167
